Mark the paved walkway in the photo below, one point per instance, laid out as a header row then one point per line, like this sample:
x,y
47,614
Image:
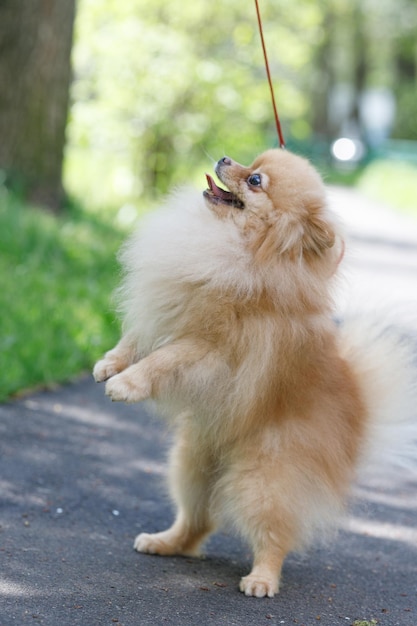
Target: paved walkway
x,y
80,477
380,265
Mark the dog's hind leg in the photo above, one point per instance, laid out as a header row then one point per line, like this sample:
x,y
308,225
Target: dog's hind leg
x,y
263,579
190,481
270,536
256,501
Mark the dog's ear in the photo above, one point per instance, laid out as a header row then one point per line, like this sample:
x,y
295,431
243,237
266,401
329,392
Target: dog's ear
x,y
318,234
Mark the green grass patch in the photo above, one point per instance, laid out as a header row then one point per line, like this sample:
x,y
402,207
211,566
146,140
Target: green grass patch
x,y
391,182
57,277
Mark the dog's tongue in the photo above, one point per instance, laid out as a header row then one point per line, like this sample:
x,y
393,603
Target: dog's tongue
x,y
217,191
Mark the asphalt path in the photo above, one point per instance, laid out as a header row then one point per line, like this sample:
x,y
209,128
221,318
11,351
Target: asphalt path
x,y
80,477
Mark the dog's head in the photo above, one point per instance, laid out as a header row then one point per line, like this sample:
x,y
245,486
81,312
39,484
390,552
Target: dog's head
x,y
279,204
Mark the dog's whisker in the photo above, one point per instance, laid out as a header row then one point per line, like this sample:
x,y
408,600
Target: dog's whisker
x,y
208,155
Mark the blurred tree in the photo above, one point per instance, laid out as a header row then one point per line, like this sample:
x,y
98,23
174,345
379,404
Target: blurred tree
x,y
323,72
35,48
360,58
405,72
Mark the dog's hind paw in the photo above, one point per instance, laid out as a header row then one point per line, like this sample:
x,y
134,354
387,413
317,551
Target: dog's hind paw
x,y
259,586
158,543
165,543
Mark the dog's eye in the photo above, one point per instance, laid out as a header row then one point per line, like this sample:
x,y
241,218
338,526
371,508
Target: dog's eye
x,y
255,180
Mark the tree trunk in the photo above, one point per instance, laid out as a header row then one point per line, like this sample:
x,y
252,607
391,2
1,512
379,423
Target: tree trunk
x,y
360,69
35,74
324,77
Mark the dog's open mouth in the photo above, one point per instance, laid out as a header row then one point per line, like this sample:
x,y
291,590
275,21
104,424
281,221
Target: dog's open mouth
x,y
221,196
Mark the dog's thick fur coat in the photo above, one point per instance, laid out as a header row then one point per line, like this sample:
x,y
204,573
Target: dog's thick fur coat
x,y
227,320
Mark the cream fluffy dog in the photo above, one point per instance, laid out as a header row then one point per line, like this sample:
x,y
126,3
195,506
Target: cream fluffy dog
x,y
227,319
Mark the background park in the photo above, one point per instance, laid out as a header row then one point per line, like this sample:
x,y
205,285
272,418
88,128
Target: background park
x,y
106,105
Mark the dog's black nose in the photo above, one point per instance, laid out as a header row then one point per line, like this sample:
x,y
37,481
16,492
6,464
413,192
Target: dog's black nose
x,y
225,161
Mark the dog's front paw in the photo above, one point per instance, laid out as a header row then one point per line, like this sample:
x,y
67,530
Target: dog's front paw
x,y
259,586
127,388
105,369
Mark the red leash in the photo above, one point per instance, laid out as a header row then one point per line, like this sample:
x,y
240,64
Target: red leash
x,y
268,73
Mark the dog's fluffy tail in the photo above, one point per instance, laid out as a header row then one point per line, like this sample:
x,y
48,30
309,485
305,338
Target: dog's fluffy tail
x,y
385,362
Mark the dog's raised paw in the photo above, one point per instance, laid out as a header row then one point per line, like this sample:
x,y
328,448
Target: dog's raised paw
x,y
104,369
120,389
258,586
129,386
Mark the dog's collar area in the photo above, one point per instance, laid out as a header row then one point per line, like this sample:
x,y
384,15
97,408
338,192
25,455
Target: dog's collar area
x,y
221,196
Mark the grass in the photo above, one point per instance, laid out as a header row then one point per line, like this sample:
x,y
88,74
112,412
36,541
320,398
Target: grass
x,y
392,182
57,275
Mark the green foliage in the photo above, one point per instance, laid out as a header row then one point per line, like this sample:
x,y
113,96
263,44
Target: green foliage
x,y
391,182
163,88
406,123
56,279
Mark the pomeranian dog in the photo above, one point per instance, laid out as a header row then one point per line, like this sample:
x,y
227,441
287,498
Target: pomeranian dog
x,y
227,325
